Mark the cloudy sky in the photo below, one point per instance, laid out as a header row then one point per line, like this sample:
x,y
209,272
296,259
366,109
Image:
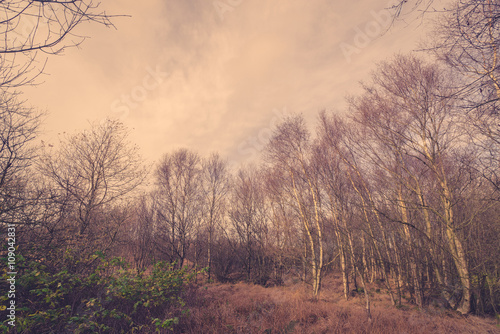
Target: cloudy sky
x,y
217,75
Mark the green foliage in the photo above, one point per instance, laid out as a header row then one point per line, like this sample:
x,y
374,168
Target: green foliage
x,y
110,298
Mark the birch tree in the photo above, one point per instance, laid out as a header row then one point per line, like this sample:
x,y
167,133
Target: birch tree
x,y
414,97
289,149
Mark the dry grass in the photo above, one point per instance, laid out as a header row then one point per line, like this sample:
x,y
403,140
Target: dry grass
x,y
244,308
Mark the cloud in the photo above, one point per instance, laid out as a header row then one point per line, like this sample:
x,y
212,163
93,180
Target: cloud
x,y
224,76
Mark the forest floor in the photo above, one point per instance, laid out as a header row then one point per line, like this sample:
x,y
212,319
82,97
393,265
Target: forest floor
x,y
248,308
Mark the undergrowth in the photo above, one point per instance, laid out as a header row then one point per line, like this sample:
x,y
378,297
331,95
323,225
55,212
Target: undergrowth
x,y
111,298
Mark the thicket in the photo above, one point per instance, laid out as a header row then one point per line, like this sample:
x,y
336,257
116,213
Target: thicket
x,y
106,297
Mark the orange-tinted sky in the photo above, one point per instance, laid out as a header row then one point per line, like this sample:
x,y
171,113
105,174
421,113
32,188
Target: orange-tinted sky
x,y
217,75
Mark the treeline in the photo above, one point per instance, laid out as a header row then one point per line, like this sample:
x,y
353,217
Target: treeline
x,y
401,190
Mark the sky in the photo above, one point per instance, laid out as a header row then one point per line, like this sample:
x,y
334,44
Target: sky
x,y
217,75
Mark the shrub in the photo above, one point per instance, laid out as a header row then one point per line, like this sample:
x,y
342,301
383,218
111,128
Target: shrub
x,y
110,299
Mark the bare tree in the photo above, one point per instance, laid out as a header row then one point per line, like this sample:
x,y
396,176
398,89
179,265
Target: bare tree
x,y
18,128
139,236
249,219
287,243
32,27
289,148
179,203
92,171
215,187
408,113
467,38
337,191
29,29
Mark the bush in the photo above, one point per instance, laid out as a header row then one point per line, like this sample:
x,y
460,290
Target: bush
x,y
110,299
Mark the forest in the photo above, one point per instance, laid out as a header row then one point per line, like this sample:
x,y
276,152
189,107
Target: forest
x,y
396,198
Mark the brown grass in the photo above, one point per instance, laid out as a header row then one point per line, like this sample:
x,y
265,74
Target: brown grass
x,y
245,308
